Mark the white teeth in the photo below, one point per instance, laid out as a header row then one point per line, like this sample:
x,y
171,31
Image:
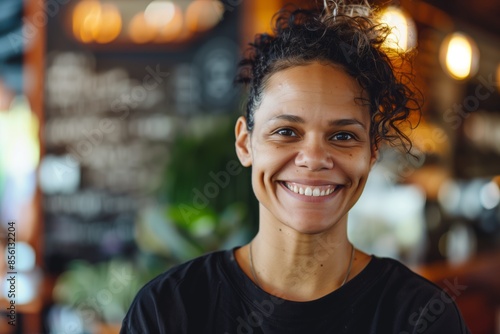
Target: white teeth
x,y
310,191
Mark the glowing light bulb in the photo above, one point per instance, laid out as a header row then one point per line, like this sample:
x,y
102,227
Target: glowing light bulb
x,y
159,13
459,56
96,22
85,19
109,25
202,15
403,34
173,28
140,31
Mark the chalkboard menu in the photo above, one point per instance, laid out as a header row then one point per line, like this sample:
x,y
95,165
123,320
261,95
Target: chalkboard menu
x,y
111,113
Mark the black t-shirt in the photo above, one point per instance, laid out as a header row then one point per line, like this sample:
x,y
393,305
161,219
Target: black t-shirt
x,y
211,294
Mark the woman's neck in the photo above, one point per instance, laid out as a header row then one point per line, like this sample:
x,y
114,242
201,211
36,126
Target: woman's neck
x,y
296,266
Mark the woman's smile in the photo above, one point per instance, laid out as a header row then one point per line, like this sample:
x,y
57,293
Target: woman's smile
x,y
310,192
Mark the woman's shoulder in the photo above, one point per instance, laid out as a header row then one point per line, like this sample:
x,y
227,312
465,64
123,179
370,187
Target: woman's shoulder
x,y
179,291
395,279
399,276
193,271
415,302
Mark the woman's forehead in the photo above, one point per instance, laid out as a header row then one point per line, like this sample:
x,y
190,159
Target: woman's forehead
x,y
313,83
312,92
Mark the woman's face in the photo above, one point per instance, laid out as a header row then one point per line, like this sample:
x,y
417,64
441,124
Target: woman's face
x,y
310,148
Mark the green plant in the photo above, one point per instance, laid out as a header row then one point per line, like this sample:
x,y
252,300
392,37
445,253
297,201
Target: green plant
x,y
101,292
207,193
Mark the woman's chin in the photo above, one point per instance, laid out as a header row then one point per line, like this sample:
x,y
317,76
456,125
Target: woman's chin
x,y
312,227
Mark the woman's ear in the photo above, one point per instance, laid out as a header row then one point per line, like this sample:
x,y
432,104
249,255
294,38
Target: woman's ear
x,y
375,155
242,144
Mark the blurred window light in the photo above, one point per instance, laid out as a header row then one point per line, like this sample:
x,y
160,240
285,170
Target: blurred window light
x,y
388,219
470,204
449,197
458,244
459,56
19,143
25,256
59,174
64,319
403,36
26,286
19,157
489,195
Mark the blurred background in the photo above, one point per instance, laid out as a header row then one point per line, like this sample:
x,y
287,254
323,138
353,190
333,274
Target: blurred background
x,y
117,158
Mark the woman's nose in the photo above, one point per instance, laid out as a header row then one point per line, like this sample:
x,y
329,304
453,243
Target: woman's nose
x,y
314,155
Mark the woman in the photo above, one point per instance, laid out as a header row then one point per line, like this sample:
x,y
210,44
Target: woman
x,y
323,95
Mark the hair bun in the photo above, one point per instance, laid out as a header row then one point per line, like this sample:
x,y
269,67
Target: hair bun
x,y
338,8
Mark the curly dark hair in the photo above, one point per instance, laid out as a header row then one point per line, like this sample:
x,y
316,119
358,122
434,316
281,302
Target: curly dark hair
x,y
349,38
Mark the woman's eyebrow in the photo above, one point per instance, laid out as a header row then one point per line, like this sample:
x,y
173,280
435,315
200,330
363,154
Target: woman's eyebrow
x,y
346,121
337,122
288,117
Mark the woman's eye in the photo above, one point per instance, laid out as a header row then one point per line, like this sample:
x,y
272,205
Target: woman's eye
x,y
342,136
286,132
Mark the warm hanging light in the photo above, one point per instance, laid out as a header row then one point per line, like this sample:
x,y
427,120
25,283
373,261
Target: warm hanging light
x,y
140,31
85,16
159,12
459,56
202,15
173,29
403,36
96,22
167,18
156,21
110,24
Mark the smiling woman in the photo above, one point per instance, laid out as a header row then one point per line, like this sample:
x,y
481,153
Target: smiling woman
x,y
323,95
311,135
